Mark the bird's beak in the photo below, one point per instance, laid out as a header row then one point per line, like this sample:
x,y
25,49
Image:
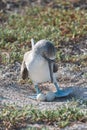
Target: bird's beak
x,y
51,70
50,64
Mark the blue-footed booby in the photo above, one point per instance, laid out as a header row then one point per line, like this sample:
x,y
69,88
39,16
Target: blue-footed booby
x,y
39,64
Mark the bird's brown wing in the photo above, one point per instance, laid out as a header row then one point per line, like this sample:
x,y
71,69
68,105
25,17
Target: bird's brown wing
x,y
24,71
55,67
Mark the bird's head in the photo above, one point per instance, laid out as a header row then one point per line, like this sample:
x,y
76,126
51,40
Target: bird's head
x,y
47,50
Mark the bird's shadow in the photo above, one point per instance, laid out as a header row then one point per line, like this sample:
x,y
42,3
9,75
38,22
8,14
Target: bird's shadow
x,y
77,94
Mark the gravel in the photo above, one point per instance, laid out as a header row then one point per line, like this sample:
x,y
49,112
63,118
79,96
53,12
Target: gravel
x,y
14,92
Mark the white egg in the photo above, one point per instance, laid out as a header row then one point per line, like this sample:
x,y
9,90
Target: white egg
x,y
50,96
41,97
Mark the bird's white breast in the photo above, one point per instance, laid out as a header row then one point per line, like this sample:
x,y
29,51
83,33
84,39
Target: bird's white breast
x,y
38,68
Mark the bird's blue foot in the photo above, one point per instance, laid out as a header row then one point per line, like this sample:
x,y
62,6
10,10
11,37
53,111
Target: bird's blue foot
x,y
63,93
38,91
34,96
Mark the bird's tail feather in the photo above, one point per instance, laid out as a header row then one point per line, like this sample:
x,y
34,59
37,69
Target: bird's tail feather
x,y
32,43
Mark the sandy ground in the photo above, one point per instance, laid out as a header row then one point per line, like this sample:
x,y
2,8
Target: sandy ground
x,y
14,92
69,75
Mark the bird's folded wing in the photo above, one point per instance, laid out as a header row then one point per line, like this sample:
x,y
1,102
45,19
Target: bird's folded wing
x,y
55,67
24,71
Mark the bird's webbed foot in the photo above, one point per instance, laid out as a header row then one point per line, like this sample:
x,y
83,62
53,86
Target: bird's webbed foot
x,y
38,91
62,92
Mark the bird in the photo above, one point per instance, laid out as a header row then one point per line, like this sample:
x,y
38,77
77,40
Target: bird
x,y
39,65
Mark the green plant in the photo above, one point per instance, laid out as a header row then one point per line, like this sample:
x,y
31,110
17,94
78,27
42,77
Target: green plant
x,y
13,117
56,25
